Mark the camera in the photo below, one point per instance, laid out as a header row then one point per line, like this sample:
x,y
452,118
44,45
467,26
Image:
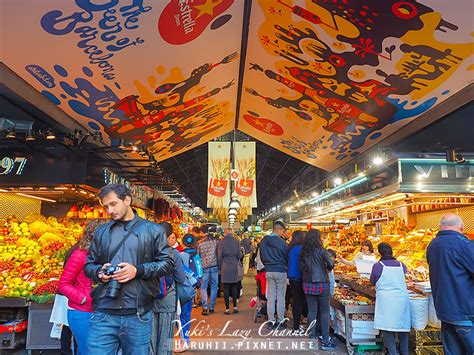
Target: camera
x,y
113,288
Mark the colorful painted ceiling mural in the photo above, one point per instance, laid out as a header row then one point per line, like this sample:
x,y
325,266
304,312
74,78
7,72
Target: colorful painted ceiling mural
x,y
323,81
155,73
327,79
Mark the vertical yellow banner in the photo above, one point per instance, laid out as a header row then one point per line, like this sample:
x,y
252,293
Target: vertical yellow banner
x,y
218,192
245,186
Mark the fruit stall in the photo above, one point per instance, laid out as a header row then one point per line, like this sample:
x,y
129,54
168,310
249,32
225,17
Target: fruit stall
x,y
400,204
40,219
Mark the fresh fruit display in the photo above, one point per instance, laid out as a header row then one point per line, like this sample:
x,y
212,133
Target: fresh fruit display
x,y
32,254
86,211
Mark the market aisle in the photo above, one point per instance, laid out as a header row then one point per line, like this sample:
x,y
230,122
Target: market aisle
x,y
231,328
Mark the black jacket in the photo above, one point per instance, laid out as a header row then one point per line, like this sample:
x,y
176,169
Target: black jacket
x,y
315,267
247,245
154,260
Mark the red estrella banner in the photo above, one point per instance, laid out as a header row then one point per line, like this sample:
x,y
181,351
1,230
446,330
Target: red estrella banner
x,y
218,192
244,157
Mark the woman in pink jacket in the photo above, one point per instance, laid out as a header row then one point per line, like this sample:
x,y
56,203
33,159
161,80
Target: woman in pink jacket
x,y
77,288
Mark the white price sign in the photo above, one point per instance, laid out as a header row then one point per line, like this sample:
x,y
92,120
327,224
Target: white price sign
x,y
12,166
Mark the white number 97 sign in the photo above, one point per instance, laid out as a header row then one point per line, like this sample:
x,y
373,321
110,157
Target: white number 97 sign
x,y
9,165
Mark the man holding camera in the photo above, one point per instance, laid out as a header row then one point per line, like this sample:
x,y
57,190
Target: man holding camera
x,y
126,258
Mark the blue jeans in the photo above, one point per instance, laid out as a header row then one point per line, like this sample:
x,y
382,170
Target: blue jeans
x,y
210,274
79,324
457,339
185,319
131,333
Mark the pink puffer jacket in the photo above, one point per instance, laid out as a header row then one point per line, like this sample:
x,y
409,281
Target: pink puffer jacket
x,y
74,284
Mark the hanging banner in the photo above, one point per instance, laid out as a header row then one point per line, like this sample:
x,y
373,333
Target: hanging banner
x,y
245,186
218,192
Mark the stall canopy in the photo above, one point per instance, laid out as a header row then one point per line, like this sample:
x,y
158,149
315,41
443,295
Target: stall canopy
x,y
320,80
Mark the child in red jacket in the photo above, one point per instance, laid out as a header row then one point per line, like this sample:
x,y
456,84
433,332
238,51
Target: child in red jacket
x,y
77,288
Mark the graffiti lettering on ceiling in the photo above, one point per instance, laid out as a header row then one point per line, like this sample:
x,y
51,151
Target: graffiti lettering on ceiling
x,y
134,69
340,75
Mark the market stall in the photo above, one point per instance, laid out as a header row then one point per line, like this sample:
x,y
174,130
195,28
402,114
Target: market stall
x,y
41,217
400,204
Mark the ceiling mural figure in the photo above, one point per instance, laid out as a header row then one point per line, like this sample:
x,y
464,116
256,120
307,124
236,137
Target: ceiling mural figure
x,y
133,69
338,75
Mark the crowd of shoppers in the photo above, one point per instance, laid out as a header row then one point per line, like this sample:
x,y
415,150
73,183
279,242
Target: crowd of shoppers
x,y
124,281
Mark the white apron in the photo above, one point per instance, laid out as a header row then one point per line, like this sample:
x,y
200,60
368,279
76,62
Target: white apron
x,y
392,308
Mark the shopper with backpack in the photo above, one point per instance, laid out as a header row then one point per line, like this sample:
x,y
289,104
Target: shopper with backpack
x,y
207,250
164,308
192,261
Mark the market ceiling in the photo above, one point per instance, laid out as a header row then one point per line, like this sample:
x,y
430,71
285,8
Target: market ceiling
x,y
275,171
319,80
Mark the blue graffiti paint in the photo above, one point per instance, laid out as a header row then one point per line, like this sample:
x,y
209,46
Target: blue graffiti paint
x,y
341,157
63,96
87,71
403,113
445,92
94,125
51,97
375,135
117,85
90,101
354,154
113,20
40,74
60,70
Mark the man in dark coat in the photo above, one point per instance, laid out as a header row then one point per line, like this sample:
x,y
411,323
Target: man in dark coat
x,y
451,259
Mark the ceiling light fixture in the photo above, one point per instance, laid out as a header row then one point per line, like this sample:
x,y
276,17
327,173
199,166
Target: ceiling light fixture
x,y
11,134
234,204
337,181
50,135
232,211
30,136
378,160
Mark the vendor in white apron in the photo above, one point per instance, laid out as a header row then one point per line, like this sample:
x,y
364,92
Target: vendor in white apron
x,y
392,308
366,253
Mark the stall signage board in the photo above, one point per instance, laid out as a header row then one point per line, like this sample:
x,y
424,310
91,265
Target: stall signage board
x,y
435,175
33,167
140,194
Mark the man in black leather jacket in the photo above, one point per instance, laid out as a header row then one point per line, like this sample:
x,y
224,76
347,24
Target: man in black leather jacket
x,y
122,301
